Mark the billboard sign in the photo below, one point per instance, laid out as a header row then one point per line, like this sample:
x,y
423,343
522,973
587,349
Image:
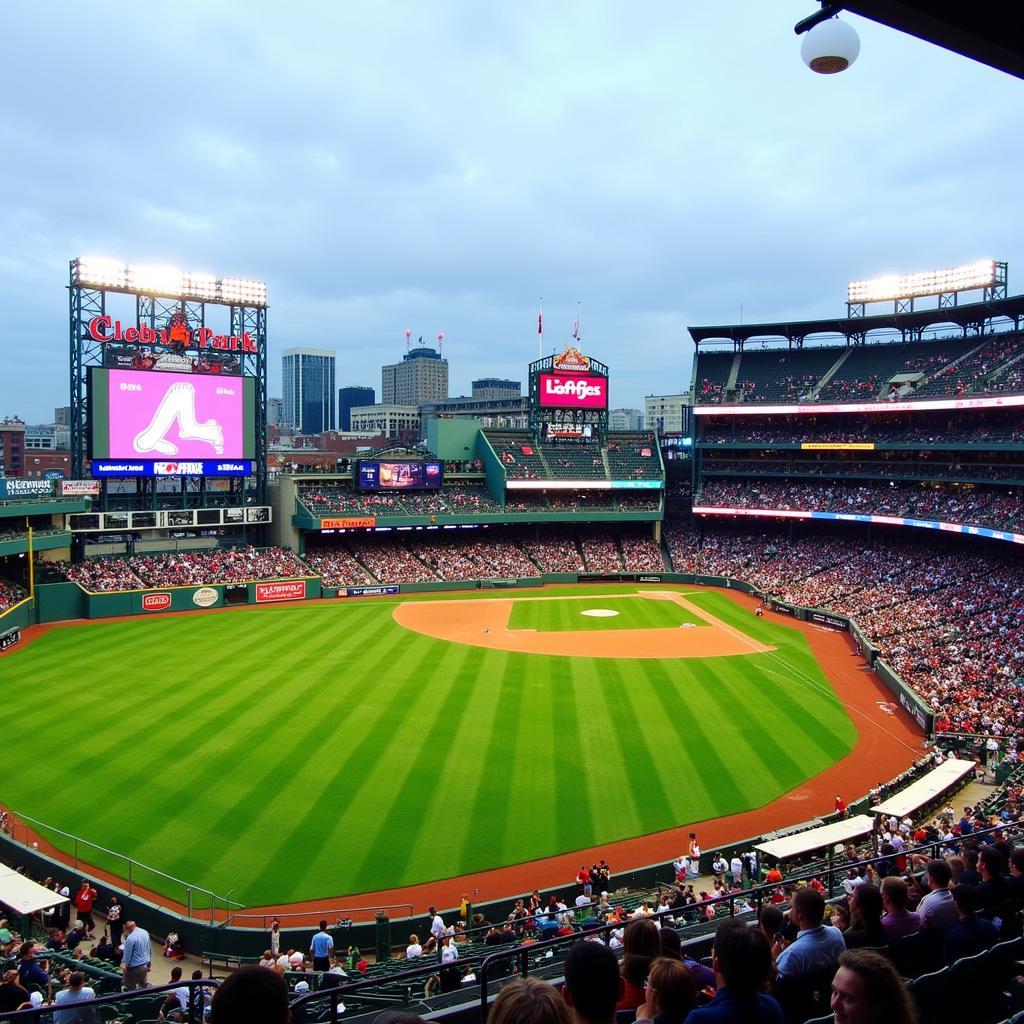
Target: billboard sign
x,y
10,638
79,488
572,360
156,602
292,590
384,591
13,488
399,476
573,391
105,328
205,597
349,523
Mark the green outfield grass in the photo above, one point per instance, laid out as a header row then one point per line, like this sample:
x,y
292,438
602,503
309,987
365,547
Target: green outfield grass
x,y
554,616
318,750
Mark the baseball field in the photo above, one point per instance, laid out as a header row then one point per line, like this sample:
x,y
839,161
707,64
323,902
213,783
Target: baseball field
x,y
325,749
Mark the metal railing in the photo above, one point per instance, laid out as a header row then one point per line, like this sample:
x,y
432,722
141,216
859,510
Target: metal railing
x,y
133,874
343,916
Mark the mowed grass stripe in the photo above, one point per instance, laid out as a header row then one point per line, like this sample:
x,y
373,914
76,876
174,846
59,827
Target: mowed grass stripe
x,y
574,824
416,769
500,760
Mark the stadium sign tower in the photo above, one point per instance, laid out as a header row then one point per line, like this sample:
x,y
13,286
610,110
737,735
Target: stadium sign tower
x,y
568,398
170,394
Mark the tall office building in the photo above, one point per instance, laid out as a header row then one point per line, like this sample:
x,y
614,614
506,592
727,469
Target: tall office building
x,y
308,375
421,376
350,397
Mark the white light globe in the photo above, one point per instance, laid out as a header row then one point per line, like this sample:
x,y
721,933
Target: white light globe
x,y
830,47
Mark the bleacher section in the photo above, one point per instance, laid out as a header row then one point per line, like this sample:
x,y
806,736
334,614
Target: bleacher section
x,y
783,376
518,454
627,459
452,499
970,375
869,368
862,373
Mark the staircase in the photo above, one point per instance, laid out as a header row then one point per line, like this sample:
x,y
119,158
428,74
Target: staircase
x,y
832,371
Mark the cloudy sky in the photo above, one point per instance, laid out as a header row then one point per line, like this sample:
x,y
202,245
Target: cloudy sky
x,y
442,166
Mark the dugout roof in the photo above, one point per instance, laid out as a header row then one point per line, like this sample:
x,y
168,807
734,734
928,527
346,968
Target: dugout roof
x,y
926,789
24,896
817,838
911,324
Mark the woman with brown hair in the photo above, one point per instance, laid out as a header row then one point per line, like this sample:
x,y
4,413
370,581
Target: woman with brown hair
x,y
641,946
669,995
867,990
529,1001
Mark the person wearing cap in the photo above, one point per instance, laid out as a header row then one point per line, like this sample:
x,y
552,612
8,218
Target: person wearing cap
x,y
84,900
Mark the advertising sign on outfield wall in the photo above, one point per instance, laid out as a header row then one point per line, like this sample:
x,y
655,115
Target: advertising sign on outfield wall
x,y
293,590
205,597
157,602
79,488
349,523
829,620
12,488
369,591
9,639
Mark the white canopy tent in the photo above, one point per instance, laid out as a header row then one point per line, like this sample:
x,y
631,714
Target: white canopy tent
x,y
926,789
23,896
825,836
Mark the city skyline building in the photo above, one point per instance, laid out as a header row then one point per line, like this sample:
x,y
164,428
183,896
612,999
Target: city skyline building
x,y
421,376
349,397
308,389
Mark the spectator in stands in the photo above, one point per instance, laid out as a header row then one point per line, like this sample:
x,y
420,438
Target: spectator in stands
x,y
176,1003
12,994
867,990
30,970
866,928
414,949
971,934
669,994
84,901
641,946
251,996
994,888
937,909
671,947
897,920
593,985
817,946
529,1001
742,963
75,992
136,957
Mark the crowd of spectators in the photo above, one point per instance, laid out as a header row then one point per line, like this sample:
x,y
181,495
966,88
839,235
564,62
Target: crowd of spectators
x,y
601,553
390,561
555,551
184,568
453,499
10,594
641,553
994,508
949,621
930,428
968,375
338,567
928,466
459,556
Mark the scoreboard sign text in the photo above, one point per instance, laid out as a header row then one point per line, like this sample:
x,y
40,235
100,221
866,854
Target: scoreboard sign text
x,y
573,391
293,590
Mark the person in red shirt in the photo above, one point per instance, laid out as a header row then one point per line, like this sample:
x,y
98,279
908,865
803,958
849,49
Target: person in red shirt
x,y
583,880
84,900
840,806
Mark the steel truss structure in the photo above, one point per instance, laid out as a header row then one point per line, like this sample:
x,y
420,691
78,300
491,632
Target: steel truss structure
x,y
159,311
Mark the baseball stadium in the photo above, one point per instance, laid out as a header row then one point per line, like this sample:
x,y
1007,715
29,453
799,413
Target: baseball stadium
x,y
546,679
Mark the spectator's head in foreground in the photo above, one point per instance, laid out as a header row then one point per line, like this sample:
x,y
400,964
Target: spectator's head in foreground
x,y
592,983
867,990
252,995
529,1001
742,958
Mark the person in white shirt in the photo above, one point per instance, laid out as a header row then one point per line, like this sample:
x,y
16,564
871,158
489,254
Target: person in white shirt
x,y
450,952
583,900
414,949
437,928
937,909
736,868
295,960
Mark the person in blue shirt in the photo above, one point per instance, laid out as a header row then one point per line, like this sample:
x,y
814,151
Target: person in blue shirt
x,y
971,934
76,992
742,962
30,970
817,946
320,948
